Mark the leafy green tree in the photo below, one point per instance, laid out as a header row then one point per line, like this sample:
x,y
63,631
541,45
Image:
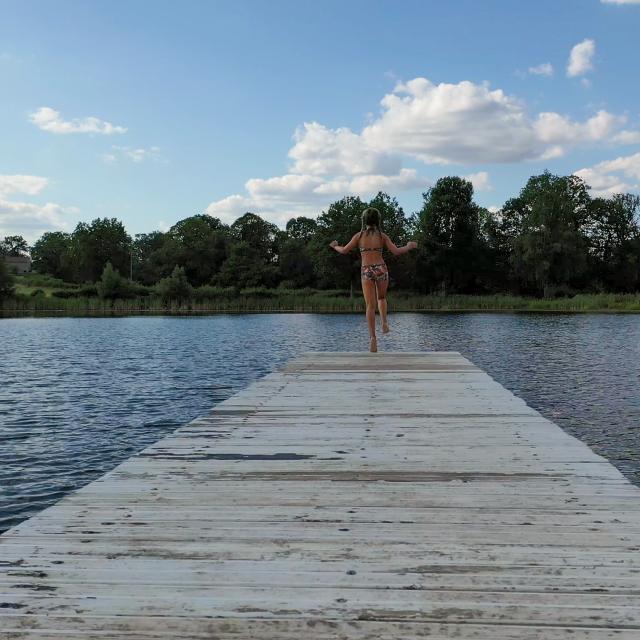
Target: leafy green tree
x,y
261,234
449,239
112,285
295,264
245,267
52,254
301,228
148,265
339,222
176,287
614,233
550,218
495,270
199,243
400,229
14,246
93,245
6,280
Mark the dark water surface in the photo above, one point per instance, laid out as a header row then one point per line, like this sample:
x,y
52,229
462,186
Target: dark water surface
x,y
80,395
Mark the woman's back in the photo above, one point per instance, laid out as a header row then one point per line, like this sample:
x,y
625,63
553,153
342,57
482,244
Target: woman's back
x,y
370,246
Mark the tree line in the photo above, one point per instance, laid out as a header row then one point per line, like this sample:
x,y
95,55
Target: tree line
x,y
554,238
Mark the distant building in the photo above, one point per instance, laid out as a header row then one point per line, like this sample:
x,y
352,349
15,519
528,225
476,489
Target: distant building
x,y
18,264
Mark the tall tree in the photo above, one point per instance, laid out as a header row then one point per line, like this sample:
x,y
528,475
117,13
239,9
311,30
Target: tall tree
x,y
450,243
52,254
301,228
199,243
399,228
339,222
614,238
6,280
148,266
295,266
245,267
93,245
495,270
14,246
262,235
551,217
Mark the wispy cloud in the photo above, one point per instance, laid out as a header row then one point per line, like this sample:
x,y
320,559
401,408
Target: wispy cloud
x,y
544,69
49,119
135,154
620,1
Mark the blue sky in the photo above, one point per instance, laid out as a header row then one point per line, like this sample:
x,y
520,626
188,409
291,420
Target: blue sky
x,y
154,111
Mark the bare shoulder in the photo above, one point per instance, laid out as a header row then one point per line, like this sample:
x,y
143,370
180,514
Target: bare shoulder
x,y
353,242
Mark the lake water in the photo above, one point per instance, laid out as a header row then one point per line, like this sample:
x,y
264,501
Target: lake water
x,y
80,395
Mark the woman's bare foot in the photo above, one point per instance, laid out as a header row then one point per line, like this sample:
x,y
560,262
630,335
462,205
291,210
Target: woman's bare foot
x,y
373,345
385,327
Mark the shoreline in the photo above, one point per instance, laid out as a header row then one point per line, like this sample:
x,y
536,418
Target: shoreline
x,y
260,301
63,313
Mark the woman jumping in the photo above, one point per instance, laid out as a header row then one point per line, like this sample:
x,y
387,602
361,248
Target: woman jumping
x,y
373,273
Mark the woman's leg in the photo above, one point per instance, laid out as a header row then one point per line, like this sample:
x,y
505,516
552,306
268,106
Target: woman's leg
x,y
382,303
369,291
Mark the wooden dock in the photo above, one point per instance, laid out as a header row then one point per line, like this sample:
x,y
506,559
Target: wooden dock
x,y
347,496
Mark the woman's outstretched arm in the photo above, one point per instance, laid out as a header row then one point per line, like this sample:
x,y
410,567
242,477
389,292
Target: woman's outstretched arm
x,y
398,251
352,244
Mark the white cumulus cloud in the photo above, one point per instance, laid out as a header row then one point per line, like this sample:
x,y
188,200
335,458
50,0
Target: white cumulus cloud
x,y
581,58
22,184
419,121
452,123
319,150
556,129
291,195
479,180
619,175
29,219
627,137
49,119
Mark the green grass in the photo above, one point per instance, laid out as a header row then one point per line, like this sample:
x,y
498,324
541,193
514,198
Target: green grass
x,y
27,290
310,301
25,285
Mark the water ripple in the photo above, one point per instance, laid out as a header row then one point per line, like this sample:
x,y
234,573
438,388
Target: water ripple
x,y
80,395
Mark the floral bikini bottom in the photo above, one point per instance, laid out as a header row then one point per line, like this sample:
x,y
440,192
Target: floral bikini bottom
x,y
375,272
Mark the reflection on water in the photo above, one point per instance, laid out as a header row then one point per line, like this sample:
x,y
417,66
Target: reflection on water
x,y
80,395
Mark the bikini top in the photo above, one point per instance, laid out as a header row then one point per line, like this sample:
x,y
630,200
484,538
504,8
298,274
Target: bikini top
x,y
370,248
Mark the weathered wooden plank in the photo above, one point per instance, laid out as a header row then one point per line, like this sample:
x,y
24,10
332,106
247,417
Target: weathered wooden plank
x,y
117,627
321,531
286,574
498,607
99,514
347,495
